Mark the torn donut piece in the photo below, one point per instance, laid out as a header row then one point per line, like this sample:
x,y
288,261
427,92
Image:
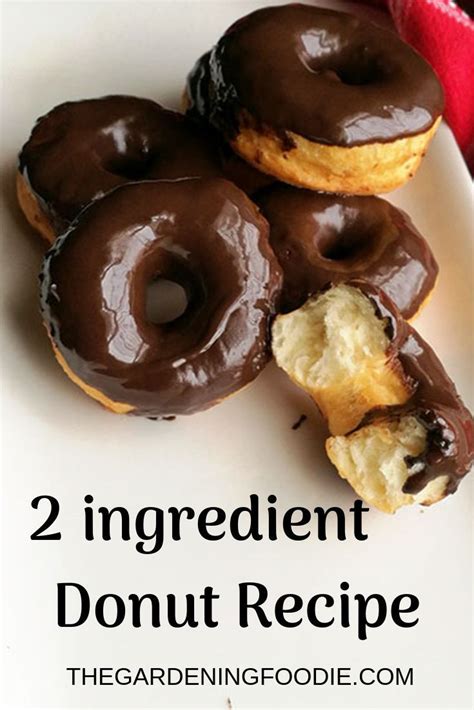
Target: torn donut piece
x,y
335,347
351,350
375,458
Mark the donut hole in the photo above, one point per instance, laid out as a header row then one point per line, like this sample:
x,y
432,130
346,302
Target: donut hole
x,y
130,167
348,245
357,67
166,301
360,73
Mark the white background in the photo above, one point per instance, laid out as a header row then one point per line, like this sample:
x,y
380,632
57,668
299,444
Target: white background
x,y
56,441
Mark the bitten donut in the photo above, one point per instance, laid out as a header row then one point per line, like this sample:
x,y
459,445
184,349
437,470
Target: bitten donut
x,y
321,239
323,100
196,105
204,234
81,149
403,434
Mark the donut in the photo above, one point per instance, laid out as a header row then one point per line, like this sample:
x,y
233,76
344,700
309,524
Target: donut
x,y
82,149
400,432
320,239
335,348
196,107
204,234
323,99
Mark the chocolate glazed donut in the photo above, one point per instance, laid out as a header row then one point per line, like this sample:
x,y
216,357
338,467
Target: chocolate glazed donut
x,y
321,239
204,234
82,149
323,99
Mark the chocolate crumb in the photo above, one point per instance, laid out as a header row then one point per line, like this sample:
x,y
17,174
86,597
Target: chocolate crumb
x,y
169,419
299,422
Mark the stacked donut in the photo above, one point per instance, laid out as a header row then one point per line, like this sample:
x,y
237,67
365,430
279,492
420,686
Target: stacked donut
x,y
260,202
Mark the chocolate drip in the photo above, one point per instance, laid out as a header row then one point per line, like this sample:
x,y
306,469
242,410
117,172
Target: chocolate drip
x,y
435,402
82,149
320,239
197,89
235,169
328,76
204,234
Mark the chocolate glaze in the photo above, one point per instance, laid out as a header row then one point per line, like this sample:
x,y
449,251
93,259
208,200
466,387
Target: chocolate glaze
x,y
329,76
82,149
235,168
203,233
434,402
197,89
320,239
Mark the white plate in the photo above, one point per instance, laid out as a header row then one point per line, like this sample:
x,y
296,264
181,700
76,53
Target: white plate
x,y
58,442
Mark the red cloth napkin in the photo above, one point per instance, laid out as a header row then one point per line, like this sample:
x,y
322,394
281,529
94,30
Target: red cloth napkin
x,y
444,34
